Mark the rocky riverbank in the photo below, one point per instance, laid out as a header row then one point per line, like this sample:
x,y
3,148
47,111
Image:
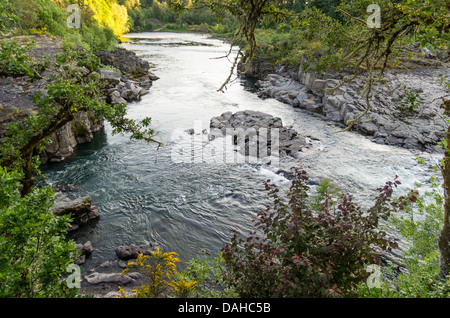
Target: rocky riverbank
x,y
127,79
104,280
406,108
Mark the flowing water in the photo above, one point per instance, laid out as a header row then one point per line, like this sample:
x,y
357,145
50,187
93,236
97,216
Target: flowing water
x,y
144,196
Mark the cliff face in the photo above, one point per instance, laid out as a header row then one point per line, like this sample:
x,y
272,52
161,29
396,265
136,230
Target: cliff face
x,y
129,83
80,130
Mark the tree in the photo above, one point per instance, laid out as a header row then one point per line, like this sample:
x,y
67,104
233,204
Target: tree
x,y
74,87
34,253
161,276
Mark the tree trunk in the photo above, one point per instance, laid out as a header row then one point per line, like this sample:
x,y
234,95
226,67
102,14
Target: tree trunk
x,y
28,179
444,239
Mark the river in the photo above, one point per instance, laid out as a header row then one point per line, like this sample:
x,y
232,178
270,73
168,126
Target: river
x,y
144,196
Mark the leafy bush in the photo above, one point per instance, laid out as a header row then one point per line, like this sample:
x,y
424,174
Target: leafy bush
x,y
14,60
34,254
209,278
420,225
161,273
296,251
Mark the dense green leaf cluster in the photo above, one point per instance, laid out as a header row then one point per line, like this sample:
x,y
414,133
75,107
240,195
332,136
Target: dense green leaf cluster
x,y
34,253
420,225
97,32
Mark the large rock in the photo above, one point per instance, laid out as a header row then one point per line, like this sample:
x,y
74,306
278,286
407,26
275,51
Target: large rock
x,y
81,210
78,131
253,130
85,250
116,278
390,123
126,61
127,252
132,81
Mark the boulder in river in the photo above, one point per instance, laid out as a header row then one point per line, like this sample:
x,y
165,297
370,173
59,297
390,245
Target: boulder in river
x,y
258,134
127,252
81,210
85,250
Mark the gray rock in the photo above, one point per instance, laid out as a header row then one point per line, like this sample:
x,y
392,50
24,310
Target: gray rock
x,y
127,252
126,61
245,128
313,92
80,209
97,278
119,100
110,76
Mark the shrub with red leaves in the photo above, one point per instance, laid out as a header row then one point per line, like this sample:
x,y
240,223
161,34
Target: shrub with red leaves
x,y
301,252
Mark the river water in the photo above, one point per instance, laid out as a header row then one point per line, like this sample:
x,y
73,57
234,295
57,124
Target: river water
x,y
145,196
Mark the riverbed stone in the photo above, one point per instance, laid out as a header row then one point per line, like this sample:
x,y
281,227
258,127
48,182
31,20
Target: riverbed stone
x,y
81,210
97,278
126,61
127,252
246,127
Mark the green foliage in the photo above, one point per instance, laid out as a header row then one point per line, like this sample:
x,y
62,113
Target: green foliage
x,y
160,272
34,254
209,277
47,17
296,251
14,60
325,190
7,15
109,13
419,224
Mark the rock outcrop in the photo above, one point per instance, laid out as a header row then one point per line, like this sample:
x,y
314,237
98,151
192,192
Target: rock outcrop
x,y
80,209
418,125
82,213
132,81
254,130
131,78
127,252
